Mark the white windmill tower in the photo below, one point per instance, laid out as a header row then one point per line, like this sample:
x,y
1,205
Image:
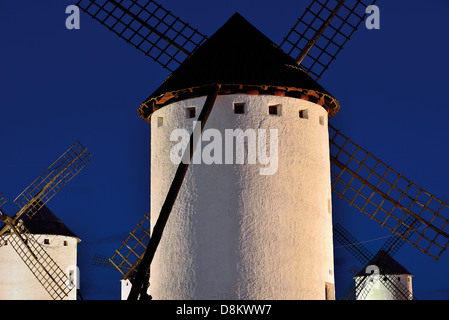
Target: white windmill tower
x,y
38,252
16,280
233,215
243,213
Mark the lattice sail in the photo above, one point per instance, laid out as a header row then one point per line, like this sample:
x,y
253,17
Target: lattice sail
x,y
149,27
395,242
325,26
103,261
54,280
347,240
127,258
387,197
67,166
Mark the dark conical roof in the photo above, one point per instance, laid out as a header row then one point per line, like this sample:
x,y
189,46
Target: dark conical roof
x,y
386,264
46,222
241,59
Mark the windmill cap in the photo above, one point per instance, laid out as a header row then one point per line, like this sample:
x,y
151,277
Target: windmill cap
x,y
386,264
44,221
241,59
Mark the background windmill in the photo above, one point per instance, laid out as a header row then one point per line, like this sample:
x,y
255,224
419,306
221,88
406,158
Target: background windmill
x,y
277,16
360,289
19,230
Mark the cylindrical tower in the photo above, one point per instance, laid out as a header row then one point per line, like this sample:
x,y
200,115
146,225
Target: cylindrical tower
x,y
253,217
17,282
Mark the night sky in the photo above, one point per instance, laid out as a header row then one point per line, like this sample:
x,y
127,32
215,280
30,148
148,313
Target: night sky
x,y
59,86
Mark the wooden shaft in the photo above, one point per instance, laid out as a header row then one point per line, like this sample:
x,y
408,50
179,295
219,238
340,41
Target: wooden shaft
x,y
139,285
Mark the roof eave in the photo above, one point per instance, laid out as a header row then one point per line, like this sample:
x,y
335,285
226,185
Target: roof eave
x,y
328,102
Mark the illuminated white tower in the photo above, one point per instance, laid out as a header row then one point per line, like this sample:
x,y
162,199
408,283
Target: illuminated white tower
x,y
396,284
17,282
257,230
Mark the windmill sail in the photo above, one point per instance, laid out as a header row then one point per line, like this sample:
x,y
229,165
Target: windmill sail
x,y
126,259
395,242
41,190
322,31
149,27
347,240
387,197
2,200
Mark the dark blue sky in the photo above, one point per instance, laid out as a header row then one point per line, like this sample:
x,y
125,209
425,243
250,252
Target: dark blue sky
x,y
58,86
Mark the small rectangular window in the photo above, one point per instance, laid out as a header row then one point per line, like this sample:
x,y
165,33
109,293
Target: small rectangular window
x,y
191,112
65,243
239,108
322,120
303,114
160,121
46,241
274,109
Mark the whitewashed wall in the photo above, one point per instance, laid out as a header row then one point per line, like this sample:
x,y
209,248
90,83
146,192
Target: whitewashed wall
x,y
377,290
236,234
17,282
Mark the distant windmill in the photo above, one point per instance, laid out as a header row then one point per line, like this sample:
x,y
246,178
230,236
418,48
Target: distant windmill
x,y
380,268
228,248
33,228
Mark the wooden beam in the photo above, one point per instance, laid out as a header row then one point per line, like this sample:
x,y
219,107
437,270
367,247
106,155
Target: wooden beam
x,y
139,285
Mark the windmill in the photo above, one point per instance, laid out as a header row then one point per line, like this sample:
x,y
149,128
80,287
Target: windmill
x,y
19,231
382,260
358,177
